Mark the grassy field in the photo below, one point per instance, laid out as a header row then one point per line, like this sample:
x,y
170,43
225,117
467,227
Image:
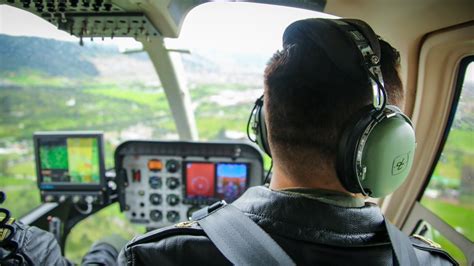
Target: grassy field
x,y
460,216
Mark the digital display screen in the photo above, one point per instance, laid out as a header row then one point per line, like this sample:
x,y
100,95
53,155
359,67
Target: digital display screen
x,y
231,180
215,181
200,180
69,160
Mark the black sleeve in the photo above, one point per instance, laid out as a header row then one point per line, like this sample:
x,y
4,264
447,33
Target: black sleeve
x,y
37,247
101,254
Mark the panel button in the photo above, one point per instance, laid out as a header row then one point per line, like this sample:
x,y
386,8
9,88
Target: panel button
x,y
155,182
155,199
155,165
172,216
156,216
172,166
172,182
172,199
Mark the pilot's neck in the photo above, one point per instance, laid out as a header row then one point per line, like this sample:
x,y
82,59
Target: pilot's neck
x,y
325,180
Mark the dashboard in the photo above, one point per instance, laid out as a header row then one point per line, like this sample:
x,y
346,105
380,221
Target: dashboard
x,y
156,183
161,183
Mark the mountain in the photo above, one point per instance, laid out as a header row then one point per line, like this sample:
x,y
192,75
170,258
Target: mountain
x,y
52,57
68,59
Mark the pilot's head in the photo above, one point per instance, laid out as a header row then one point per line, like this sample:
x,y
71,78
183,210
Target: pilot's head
x,y
313,86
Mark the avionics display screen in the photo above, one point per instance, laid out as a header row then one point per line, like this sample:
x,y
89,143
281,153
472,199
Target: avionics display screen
x,y
69,160
231,180
225,181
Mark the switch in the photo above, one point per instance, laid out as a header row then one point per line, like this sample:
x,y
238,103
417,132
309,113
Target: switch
x,y
136,176
108,7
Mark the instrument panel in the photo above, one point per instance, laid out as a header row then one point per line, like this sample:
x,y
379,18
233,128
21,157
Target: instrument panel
x,y
162,183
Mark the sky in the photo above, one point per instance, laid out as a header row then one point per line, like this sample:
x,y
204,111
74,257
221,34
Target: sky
x,y
217,25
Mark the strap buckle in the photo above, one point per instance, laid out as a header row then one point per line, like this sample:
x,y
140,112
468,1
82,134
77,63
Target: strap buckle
x,y
201,213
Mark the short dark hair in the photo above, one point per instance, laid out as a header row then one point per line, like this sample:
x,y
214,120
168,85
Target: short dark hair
x,y
309,98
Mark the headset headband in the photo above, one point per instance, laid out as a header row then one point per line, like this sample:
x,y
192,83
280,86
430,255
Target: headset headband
x,y
369,47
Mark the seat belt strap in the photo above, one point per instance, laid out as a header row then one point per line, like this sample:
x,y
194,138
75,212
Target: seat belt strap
x,y
404,253
243,242
240,239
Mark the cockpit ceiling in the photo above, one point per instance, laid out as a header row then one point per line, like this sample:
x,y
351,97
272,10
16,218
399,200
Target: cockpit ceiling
x,y
126,18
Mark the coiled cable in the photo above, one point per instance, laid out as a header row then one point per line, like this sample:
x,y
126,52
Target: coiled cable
x,y
7,231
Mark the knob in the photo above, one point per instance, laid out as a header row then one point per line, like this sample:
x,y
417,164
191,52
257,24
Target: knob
x,y
156,215
76,199
49,198
172,199
172,216
172,182
155,199
89,199
172,166
62,198
155,182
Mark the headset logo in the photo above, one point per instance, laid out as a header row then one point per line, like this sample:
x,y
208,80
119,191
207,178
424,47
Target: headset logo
x,y
400,163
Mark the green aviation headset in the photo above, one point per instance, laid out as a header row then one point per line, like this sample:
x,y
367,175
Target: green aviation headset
x,y
377,146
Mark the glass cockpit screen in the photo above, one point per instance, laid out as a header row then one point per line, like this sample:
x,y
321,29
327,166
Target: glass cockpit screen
x,y
69,160
231,180
215,181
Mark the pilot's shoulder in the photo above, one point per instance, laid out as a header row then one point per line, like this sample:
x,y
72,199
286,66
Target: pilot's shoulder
x,y
430,252
188,228
179,244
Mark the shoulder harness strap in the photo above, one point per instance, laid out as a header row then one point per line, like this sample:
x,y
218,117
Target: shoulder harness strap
x,y
404,253
243,242
239,238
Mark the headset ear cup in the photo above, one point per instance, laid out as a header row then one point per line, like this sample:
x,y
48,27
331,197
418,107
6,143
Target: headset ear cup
x,y
388,154
261,132
347,149
375,155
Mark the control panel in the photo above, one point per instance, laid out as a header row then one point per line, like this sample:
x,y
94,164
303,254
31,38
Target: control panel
x,y
162,183
90,18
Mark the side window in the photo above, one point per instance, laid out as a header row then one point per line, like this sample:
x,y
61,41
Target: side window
x,y
449,195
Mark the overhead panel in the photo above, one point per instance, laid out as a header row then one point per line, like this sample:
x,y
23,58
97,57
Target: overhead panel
x,y
90,18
